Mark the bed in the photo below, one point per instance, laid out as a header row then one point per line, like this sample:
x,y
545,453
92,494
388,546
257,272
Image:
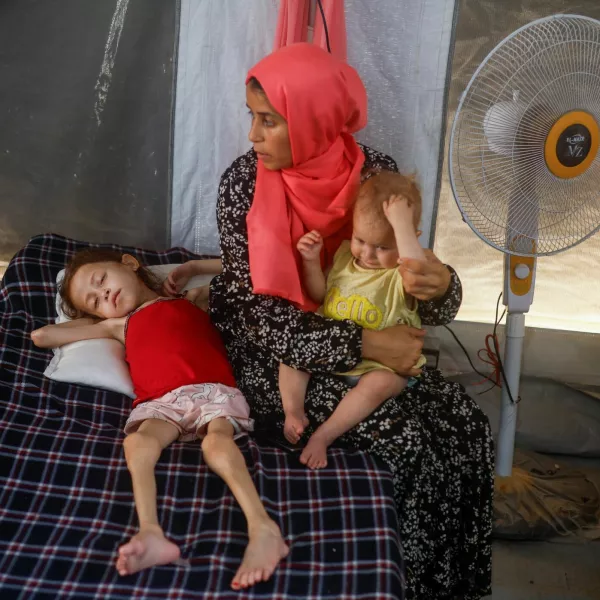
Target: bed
x,y
65,494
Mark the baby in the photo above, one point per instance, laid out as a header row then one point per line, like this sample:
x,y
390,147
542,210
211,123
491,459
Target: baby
x,y
364,285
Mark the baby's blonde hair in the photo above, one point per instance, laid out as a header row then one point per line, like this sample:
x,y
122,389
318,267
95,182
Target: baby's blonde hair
x,y
379,187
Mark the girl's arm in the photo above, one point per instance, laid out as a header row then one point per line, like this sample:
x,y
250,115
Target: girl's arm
x,y
54,336
399,212
209,266
199,296
179,276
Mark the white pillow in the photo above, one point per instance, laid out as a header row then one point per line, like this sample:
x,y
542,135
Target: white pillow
x,y
100,363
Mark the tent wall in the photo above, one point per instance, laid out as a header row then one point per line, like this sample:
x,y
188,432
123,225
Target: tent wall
x,y
85,120
568,356
88,98
89,93
567,292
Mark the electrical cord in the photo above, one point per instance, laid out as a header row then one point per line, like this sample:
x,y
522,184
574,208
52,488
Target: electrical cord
x,y
494,360
324,26
485,377
497,349
488,356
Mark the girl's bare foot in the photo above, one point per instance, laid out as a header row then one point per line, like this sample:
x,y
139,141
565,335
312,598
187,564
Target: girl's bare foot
x,y
314,454
294,426
149,547
265,549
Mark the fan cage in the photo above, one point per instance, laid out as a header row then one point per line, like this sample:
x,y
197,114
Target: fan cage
x,y
498,172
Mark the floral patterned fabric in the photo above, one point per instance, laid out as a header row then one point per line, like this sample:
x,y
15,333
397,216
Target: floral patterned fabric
x,y
433,437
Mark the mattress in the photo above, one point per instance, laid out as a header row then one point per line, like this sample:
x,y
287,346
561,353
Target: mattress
x,y
66,503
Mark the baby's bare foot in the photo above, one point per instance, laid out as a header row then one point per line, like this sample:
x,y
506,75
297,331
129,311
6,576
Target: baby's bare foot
x,y
314,454
265,549
146,549
294,426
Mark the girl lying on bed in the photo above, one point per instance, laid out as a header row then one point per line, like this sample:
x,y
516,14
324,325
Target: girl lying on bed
x,y
185,390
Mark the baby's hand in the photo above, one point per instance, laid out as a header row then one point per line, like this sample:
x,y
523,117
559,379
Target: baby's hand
x,y
310,246
176,280
398,208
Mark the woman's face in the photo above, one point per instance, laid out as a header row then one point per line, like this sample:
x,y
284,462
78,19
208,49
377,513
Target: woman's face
x,y
268,132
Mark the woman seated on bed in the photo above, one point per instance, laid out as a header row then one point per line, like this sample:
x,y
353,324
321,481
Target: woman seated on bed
x,y
301,175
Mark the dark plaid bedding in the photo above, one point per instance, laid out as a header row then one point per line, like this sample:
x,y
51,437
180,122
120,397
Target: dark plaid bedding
x,y
65,493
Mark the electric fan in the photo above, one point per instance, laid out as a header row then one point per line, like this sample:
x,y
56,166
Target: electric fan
x,y
524,166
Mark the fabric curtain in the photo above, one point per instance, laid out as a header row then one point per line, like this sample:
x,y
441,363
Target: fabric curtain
x,y
293,23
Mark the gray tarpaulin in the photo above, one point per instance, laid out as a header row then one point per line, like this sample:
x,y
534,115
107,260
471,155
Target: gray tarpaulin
x,y
85,114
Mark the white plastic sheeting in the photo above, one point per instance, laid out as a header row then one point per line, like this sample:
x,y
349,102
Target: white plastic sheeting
x,y
400,48
219,42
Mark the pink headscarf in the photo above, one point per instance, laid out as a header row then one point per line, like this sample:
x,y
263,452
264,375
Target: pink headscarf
x,y
323,101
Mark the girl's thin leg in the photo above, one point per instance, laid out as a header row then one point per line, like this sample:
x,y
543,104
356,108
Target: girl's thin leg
x,y
266,546
292,387
149,546
372,390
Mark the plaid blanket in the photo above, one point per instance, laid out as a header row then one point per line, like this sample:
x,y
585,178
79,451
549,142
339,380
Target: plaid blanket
x,y
65,493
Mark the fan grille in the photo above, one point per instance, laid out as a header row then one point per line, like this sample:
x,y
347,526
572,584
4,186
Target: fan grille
x,y
498,171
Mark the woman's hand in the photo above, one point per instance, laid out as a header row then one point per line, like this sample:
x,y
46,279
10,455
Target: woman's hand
x,y
398,348
424,279
177,279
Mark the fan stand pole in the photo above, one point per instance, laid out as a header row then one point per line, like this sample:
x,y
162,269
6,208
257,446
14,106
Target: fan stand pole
x,y
513,352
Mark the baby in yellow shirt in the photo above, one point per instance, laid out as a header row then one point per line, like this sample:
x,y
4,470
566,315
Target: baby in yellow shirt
x,y
364,285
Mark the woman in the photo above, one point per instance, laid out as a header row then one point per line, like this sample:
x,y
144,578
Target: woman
x,y
304,169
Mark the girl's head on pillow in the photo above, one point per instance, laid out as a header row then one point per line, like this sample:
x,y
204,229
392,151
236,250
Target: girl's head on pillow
x,y
373,241
104,283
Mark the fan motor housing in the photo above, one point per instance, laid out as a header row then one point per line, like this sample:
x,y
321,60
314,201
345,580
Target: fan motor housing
x,y
572,144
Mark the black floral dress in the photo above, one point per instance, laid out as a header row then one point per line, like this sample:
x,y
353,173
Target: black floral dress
x,y
433,437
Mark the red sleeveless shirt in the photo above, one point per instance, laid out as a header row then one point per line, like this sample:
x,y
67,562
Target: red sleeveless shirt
x,y
171,343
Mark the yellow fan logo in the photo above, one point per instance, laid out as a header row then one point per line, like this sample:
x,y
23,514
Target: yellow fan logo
x,y
355,308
